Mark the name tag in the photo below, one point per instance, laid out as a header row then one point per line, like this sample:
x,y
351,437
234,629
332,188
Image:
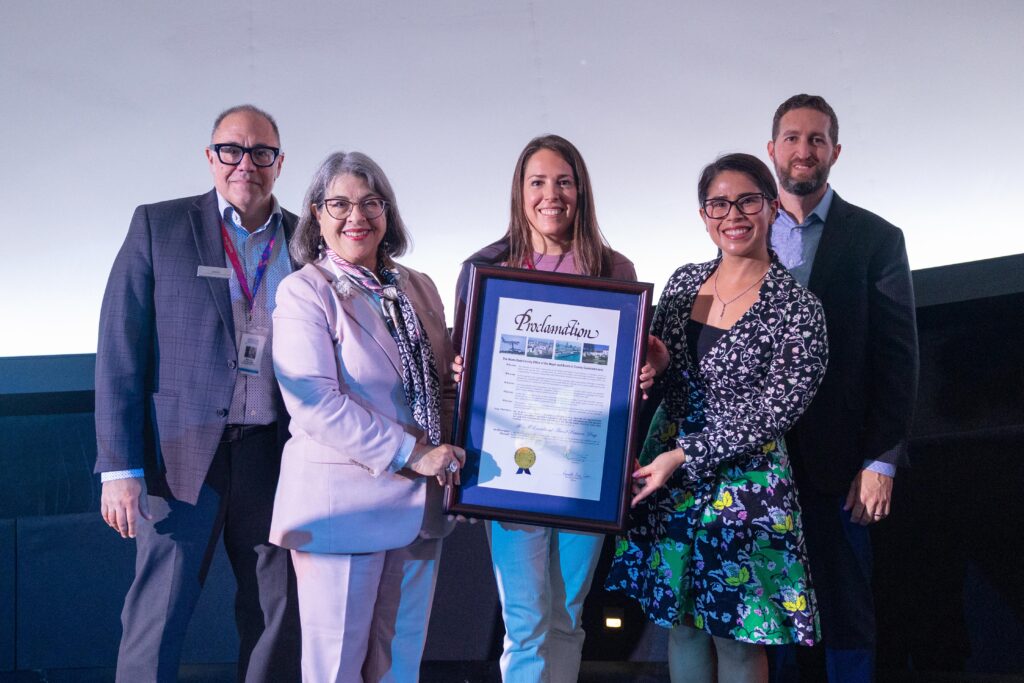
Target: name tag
x,y
213,271
250,352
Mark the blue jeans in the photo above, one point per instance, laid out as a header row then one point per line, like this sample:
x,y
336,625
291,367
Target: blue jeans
x,y
543,577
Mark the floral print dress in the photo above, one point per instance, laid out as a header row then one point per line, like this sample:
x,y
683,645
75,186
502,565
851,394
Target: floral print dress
x,y
720,546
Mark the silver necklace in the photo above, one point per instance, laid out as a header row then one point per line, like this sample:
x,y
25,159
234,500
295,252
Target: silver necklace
x,y
733,300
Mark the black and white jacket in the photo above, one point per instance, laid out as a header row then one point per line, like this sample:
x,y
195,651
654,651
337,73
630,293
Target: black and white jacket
x,y
756,380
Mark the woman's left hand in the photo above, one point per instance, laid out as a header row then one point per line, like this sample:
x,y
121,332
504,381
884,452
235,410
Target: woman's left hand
x,y
652,477
658,358
461,519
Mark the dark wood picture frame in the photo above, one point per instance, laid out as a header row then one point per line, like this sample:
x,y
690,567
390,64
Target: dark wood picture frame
x,y
632,300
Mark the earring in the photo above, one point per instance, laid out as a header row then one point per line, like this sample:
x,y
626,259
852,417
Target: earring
x,y
321,245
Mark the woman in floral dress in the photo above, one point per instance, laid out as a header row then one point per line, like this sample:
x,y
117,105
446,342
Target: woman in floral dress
x,y
715,550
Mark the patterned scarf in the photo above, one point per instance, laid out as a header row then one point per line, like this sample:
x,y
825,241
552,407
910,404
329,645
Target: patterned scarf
x,y
419,371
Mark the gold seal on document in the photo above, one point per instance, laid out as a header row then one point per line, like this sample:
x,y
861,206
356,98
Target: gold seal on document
x,y
525,458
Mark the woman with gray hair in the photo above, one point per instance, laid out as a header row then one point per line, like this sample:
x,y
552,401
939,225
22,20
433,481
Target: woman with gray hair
x,y
358,340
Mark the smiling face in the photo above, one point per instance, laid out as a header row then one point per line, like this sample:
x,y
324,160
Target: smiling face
x,y
247,187
739,234
803,152
356,238
549,200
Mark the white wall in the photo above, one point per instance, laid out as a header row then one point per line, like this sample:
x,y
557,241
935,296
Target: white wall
x,y
107,104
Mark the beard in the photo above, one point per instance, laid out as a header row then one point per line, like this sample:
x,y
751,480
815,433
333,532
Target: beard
x,y
802,188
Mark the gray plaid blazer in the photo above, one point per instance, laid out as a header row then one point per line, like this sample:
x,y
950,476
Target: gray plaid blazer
x,y
166,358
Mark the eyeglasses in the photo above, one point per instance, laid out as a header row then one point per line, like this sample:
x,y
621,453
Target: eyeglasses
x,y
231,154
371,208
748,205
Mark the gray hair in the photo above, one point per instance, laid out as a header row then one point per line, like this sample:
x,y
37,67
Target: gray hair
x,y
247,109
306,245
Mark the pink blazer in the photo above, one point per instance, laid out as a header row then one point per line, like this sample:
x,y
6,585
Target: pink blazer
x,y
340,376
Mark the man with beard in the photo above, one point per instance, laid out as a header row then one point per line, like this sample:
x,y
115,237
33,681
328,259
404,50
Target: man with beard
x,y
846,447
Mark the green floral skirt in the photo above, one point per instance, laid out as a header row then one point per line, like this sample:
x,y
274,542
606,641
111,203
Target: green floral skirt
x,y
725,555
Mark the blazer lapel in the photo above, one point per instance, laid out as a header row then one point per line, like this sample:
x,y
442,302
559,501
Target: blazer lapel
x,y
835,240
364,313
210,246
288,222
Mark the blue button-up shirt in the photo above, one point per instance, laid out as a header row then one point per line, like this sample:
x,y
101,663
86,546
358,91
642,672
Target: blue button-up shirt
x,y
796,245
253,400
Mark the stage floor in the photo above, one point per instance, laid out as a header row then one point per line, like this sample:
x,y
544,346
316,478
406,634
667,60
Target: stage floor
x,y
474,672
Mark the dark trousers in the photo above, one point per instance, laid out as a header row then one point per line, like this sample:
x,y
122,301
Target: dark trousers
x,y
839,552
173,555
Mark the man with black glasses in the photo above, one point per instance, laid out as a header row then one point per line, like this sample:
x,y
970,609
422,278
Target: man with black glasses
x,y
189,419
846,447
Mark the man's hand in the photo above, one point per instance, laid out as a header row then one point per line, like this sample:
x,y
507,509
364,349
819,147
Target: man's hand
x,y
122,503
869,497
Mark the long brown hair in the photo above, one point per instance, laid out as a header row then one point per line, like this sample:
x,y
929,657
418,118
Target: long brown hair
x,y
589,248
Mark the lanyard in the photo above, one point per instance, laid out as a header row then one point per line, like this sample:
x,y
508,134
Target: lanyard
x,y
261,269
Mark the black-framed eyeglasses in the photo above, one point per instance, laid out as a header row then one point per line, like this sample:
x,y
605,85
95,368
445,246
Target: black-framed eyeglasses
x,y
748,205
231,154
339,209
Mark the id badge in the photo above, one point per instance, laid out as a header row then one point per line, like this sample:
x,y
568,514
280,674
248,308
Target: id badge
x,y
250,352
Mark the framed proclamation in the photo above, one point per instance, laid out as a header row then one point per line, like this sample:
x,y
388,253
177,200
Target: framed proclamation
x,y
548,401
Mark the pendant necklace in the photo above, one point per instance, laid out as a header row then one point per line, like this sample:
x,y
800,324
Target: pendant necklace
x,y
732,300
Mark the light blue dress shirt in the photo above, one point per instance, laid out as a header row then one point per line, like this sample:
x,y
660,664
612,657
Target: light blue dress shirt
x,y
253,400
797,243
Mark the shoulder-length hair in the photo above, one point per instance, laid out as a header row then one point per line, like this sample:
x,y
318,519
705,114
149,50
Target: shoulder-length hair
x,y
589,248
306,246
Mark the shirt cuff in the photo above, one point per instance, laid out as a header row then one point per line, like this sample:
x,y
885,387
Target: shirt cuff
x,y
886,468
122,474
404,451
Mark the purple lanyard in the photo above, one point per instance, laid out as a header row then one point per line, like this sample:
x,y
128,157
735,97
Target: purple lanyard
x,y
261,268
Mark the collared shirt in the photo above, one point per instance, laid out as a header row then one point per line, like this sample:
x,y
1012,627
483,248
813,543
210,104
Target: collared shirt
x,y
253,400
796,245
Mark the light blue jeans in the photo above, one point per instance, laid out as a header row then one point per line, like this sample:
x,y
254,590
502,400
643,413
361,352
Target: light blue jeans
x,y
543,577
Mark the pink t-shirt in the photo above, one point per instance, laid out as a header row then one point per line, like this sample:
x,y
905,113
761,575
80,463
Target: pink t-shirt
x,y
556,263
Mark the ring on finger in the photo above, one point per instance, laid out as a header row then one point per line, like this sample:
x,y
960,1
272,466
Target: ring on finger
x,y
453,466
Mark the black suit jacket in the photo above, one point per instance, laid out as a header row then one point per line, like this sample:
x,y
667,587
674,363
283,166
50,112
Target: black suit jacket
x,y
864,407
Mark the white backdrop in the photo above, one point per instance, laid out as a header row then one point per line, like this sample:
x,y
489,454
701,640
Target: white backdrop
x,y
107,104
